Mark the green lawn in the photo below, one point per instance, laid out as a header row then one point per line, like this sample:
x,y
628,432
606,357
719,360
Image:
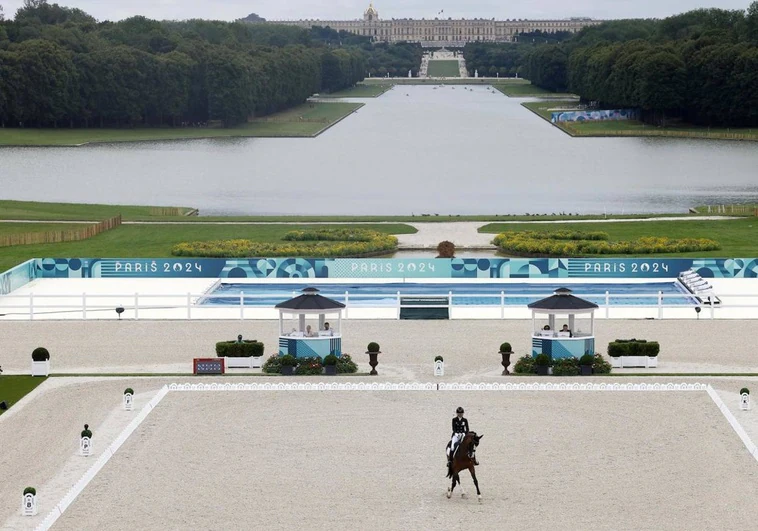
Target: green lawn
x,y
21,228
307,120
32,210
361,90
634,127
525,90
738,237
440,68
14,388
156,241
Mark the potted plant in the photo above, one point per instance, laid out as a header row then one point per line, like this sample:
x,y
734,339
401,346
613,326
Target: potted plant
x,y
241,353
288,363
634,353
330,365
566,366
446,249
439,366
85,442
40,362
373,351
585,364
128,399
542,363
524,365
29,502
505,352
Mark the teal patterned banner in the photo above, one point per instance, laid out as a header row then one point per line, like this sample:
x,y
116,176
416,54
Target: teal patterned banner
x,y
435,268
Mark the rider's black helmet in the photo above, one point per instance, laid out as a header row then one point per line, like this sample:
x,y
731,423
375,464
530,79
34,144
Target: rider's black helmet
x,y
459,410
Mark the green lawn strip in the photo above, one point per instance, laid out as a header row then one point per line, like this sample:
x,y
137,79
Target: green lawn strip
x,y
373,90
737,236
524,90
306,120
14,388
443,68
34,210
634,127
27,210
22,228
156,241
435,82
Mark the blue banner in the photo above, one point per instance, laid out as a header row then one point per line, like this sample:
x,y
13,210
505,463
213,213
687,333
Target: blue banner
x,y
435,268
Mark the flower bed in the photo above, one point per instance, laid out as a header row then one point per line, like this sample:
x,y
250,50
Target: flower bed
x,y
327,243
571,243
345,365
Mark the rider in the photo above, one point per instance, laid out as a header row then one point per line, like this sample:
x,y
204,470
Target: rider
x,y
460,429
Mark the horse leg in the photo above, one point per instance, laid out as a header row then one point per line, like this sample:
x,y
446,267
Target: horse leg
x,y
451,487
463,491
476,483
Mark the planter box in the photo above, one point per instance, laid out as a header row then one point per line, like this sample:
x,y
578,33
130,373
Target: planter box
x,y
40,368
244,363
29,505
542,370
288,371
585,370
330,370
623,362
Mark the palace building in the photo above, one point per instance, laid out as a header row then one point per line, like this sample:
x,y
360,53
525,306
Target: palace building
x,y
440,31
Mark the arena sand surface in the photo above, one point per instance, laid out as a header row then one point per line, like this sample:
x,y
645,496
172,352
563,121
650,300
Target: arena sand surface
x,y
374,460
470,347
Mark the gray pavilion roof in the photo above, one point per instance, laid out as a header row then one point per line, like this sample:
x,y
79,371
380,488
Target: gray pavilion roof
x,y
562,299
310,300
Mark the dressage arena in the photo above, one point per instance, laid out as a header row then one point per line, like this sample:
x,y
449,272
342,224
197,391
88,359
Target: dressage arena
x,y
375,460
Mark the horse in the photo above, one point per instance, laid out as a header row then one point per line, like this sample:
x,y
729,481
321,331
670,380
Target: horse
x,y
462,460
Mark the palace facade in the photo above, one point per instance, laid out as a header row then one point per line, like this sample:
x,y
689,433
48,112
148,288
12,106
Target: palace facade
x,y
442,32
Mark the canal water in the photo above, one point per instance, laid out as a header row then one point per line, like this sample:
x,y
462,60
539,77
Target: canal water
x,y
417,149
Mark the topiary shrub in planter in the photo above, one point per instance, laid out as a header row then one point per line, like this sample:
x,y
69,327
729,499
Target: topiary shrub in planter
x,y
566,367
525,365
128,399
30,490
744,399
585,364
309,366
346,365
85,443
600,365
240,354
439,358
330,365
439,366
373,350
273,365
542,363
446,249
505,353
29,502
128,391
40,362
288,364
744,391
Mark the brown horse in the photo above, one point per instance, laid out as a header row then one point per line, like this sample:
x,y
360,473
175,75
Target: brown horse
x,y
462,460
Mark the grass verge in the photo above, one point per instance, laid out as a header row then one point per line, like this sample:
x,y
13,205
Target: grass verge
x,y
634,128
33,210
156,241
526,90
14,388
373,90
307,120
736,236
443,68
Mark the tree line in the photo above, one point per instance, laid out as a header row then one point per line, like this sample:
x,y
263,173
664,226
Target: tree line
x,y
507,60
61,67
700,66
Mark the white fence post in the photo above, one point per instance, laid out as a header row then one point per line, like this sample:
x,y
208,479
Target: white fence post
x,y
189,306
242,305
660,305
347,305
31,306
713,309
502,305
136,306
84,306
607,304
398,305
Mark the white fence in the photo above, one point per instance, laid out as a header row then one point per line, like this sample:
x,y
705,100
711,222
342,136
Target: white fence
x,y
500,305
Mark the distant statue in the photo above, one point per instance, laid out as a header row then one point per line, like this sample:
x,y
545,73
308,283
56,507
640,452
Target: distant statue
x,y
410,74
476,73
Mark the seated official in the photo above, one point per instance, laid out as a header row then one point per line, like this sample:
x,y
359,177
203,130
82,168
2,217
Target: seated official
x,y
566,330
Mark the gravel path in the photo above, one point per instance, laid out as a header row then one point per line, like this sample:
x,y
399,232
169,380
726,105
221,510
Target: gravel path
x,y
375,461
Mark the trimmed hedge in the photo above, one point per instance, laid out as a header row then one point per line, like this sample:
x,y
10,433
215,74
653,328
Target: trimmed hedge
x,y
373,347
505,347
633,347
542,360
331,359
565,243
587,359
439,358
326,243
525,365
30,490
246,349
40,354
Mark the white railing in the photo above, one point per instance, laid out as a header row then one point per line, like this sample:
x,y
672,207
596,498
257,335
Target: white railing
x,y
192,306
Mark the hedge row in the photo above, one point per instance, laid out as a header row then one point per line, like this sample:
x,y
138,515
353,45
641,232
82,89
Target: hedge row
x,y
233,349
633,347
345,365
561,235
332,235
562,367
526,243
319,249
